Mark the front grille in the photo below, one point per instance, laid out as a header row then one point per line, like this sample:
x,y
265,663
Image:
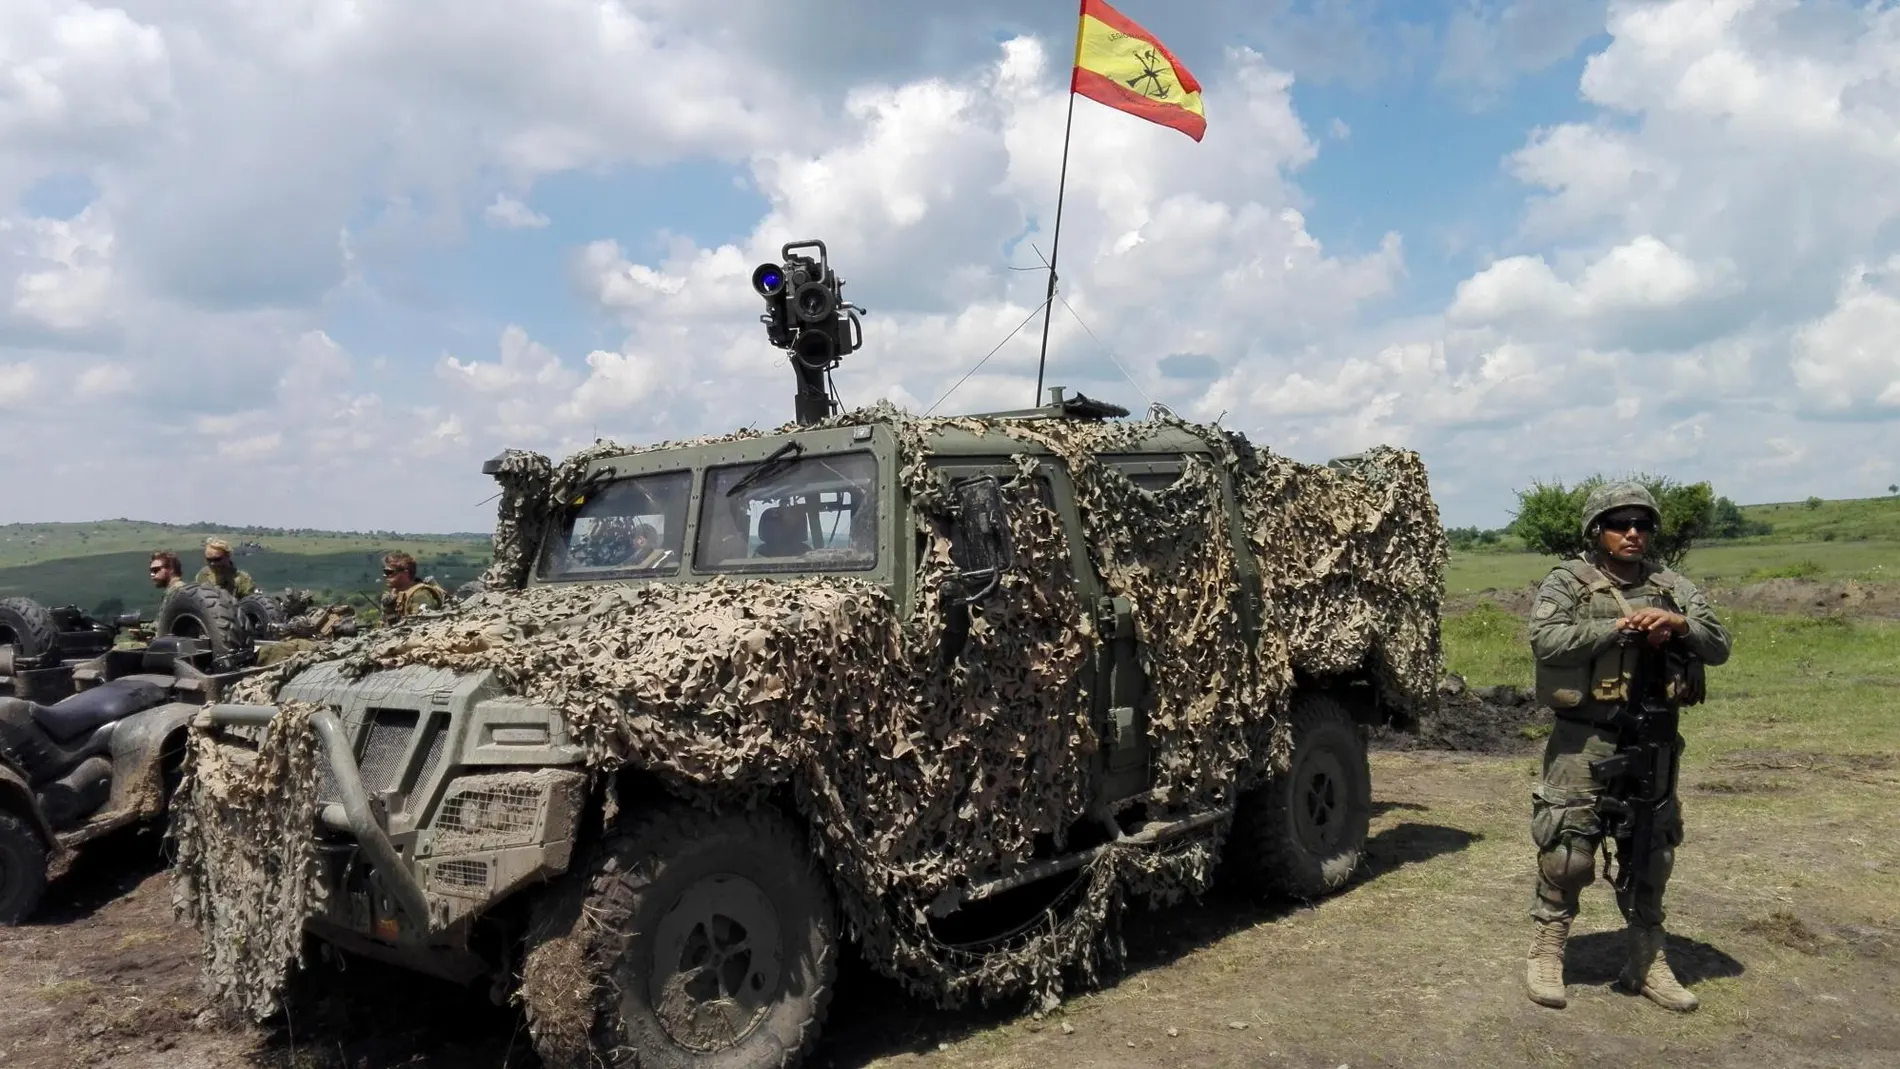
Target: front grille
x,y
381,764
389,733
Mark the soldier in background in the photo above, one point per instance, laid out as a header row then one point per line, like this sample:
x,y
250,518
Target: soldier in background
x,y
222,572
1582,613
407,595
167,574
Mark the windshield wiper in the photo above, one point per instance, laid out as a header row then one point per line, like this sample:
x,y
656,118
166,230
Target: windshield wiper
x,y
783,457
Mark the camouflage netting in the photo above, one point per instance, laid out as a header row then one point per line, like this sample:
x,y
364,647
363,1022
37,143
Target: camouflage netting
x,y
729,690
245,874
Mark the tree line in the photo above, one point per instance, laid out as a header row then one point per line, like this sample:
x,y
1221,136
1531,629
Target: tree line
x,y
1546,520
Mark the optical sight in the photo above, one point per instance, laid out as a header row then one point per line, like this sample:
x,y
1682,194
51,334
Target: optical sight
x,y
807,315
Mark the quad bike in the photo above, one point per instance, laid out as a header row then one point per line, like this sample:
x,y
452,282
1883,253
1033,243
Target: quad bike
x,y
39,646
94,745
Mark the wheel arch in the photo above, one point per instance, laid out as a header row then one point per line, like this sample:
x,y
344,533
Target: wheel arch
x,y
17,797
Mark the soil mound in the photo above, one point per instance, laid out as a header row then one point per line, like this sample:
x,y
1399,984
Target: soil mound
x,y
1496,720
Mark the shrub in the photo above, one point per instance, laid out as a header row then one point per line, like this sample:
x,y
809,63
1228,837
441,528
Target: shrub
x,y
1548,516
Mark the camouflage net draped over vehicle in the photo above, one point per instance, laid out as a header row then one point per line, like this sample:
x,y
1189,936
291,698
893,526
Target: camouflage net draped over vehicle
x,y
727,690
245,874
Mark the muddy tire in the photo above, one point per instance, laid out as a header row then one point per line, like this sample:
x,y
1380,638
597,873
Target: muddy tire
x,y
263,617
711,944
1301,835
29,627
204,611
22,869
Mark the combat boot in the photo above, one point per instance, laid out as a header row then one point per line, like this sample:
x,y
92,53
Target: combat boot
x,y
1544,973
1648,975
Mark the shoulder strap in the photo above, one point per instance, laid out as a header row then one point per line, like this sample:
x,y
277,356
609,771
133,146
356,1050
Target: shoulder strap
x,y
1596,582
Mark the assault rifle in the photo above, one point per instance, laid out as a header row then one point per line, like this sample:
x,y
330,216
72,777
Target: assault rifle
x,y
1641,776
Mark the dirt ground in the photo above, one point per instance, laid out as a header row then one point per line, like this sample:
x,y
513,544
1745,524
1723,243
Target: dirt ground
x,y
1813,597
1783,919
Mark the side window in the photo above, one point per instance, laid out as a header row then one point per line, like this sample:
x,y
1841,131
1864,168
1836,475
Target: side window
x,y
1151,474
815,514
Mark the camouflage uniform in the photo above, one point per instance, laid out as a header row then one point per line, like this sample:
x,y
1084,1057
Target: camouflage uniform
x,y
421,596
1581,671
239,585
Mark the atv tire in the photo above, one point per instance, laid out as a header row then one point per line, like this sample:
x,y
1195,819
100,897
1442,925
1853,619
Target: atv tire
x,y
29,627
263,617
205,611
713,944
22,869
1301,834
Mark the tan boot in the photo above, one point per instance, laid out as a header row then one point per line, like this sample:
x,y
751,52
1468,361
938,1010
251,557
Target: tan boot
x,y
1544,974
1648,975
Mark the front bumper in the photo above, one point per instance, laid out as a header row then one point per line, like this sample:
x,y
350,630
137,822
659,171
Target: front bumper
x,y
352,814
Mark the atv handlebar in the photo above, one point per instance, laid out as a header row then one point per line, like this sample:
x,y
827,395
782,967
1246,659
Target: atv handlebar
x,y
358,818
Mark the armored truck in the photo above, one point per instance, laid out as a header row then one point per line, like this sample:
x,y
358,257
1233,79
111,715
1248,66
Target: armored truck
x,y
947,693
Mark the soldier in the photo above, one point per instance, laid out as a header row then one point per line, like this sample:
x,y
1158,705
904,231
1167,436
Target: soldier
x,y
219,570
1583,611
167,573
407,595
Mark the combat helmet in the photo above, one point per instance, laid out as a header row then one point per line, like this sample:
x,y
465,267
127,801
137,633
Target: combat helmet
x,y
1625,493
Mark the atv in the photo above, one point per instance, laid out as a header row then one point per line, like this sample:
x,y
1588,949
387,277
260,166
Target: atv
x,y
89,746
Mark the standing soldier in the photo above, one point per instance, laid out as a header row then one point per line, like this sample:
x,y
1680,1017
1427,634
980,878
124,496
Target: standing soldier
x,y
219,570
407,595
167,574
1592,620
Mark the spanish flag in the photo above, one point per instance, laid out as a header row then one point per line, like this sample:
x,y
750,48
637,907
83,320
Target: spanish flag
x,y
1122,65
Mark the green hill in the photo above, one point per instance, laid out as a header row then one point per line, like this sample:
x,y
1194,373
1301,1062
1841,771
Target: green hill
x,y
101,567
1856,520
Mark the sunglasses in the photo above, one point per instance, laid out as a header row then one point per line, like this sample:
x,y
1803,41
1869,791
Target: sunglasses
x,y
1642,524
157,568
389,571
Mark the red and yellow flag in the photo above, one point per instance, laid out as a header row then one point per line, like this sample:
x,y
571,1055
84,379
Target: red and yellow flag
x,y
1122,65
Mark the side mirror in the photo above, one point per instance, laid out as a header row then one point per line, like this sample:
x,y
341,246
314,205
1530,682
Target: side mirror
x,y
980,543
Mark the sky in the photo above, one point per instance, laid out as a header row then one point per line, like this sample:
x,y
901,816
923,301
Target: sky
x,y
310,262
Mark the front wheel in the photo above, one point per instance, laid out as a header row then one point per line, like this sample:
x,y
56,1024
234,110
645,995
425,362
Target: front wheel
x,y
1302,833
22,869
710,942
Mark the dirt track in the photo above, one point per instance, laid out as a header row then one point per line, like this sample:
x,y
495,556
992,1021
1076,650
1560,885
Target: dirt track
x,y
1787,936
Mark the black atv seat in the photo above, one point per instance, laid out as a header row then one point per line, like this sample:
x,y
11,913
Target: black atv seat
x,y
89,710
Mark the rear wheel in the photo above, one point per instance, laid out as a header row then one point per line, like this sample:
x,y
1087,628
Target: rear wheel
x,y
207,612
29,627
1302,833
22,869
263,617
713,945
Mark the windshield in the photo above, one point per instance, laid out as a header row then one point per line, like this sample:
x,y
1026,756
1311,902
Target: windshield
x,y
812,514
633,526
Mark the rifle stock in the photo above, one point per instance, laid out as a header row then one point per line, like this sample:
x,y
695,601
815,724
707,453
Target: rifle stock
x,y
1640,778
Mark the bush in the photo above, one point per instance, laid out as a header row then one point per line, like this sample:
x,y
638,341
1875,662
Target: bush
x,y
1549,516
1726,521
1812,503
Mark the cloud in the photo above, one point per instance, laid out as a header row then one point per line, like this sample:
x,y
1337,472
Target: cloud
x,y
508,213
279,277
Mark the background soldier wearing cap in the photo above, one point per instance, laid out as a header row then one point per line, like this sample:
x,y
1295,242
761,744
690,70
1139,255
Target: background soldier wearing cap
x,y
407,595
1584,612
221,571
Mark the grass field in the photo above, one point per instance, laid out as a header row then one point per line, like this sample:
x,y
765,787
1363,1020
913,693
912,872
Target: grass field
x,y
1738,562
108,583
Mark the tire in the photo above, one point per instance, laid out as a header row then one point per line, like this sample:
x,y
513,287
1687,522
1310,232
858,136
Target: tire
x,y
677,885
22,869
263,617
29,627
1301,835
202,610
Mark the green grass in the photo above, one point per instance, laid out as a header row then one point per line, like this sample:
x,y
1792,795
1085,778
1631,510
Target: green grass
x,y
1765,697
1863,519
1748,561
34,543
94,583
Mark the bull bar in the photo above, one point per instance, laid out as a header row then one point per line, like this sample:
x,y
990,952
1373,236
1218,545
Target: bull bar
x,y
359,818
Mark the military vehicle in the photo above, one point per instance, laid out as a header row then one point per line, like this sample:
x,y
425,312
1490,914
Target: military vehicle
x,y
92,737
950,691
